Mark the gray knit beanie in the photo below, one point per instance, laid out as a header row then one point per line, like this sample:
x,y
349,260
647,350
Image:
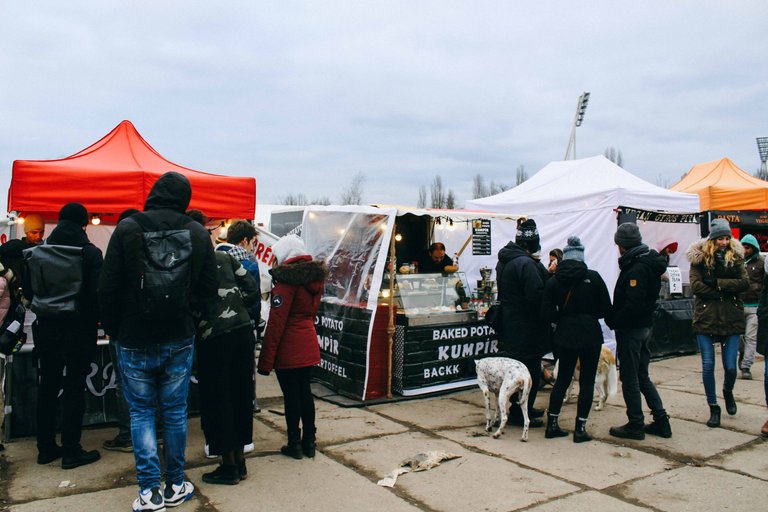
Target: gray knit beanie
x,y
628,235
574,250
718,228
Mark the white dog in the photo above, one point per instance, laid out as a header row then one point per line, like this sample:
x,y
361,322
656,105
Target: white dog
x,y
606,379
502,377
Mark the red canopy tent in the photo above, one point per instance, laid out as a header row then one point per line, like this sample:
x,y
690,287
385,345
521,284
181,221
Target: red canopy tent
x,y
117,173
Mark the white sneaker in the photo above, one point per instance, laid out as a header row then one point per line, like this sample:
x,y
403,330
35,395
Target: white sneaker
x,y
208,453
175,494
248,448
149,499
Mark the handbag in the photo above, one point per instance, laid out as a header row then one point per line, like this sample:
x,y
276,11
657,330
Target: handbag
x,y
12,335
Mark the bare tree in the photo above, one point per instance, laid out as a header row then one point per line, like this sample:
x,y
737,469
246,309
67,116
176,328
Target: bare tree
x,y
422,201
497,188
437,198
353,194
322,200
292,199
520,175
450,200
614,155
479,188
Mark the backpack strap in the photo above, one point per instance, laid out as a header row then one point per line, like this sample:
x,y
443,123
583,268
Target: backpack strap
x,y
146,224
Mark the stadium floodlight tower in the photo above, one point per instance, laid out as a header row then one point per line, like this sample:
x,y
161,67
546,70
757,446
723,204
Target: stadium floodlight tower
x,y
581,107
762,147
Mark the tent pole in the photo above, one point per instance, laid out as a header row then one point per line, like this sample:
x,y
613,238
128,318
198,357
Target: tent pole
x,y
391,326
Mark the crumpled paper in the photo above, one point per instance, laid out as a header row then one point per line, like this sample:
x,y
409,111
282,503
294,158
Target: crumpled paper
x,y
418,462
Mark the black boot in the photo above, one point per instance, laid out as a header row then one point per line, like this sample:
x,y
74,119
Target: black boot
x,y
580,434
730,402
293,448
308,444
222,475
553,429
714,416
660,427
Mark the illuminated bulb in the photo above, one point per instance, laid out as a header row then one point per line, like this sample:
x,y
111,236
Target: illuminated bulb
x,y
398,237
95,221
385,294
20,220
342,231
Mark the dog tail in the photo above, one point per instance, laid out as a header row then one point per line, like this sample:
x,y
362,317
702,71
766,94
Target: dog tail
x,y
613,381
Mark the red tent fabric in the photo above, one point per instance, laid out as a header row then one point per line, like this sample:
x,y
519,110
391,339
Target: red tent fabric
x,y
117,173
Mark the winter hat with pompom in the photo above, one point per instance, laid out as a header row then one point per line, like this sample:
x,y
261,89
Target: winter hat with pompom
x,y
574,250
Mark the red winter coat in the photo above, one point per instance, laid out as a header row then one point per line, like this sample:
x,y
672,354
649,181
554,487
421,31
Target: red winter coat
x,y
291,340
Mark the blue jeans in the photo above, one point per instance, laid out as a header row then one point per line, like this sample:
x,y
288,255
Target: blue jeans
x,y
157,377
730,355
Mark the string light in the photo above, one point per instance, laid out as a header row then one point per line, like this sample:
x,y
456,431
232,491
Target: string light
x,y
95,219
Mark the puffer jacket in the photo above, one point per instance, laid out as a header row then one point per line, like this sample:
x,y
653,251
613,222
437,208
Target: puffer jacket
x,y
228,309
524,334
637,289
718,311
575,299
290,340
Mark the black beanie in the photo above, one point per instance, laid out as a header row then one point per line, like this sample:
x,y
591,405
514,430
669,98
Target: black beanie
x,y
527,235
628,235
74,212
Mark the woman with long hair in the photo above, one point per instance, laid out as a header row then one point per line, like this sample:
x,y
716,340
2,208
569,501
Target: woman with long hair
x,y
718,277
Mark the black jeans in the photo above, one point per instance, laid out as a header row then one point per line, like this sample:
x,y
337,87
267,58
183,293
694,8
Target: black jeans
x,y
534,368
225,372
588,358
297,396
52,379
634,358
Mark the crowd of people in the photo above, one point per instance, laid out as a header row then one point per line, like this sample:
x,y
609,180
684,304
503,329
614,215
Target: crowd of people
x,y
164,294
558,308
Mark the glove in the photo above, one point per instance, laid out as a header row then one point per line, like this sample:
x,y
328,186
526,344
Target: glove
x,y
710,281
263,372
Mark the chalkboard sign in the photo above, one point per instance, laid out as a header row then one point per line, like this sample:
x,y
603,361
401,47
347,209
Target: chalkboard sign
x,y
481,237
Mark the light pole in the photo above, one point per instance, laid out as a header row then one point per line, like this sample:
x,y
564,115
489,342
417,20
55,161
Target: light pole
x,y
762,147
581,107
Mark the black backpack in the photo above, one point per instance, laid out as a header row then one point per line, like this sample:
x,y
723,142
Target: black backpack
x,y
56,275
166,269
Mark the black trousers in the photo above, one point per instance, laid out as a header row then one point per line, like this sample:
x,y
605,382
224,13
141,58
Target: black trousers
x,y
588,358
534,368
634,358
51,364
225,374
297,396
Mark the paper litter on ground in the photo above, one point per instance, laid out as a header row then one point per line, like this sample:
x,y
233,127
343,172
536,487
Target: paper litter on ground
x,y
418,462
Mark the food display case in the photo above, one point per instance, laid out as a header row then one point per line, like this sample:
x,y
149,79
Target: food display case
x,y
432,299
438,333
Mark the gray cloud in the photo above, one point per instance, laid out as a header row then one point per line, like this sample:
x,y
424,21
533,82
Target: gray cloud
x,y
304,95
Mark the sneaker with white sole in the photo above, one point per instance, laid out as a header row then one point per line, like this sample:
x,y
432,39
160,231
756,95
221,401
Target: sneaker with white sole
x,y
248,448
208,453
176,494
149,499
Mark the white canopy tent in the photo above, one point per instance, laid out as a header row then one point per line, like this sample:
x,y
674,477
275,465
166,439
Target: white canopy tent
x,y
580,197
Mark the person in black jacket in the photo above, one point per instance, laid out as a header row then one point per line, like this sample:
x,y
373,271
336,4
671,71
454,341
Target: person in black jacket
x,y
67,342
634,302
523,333
575,299
155,356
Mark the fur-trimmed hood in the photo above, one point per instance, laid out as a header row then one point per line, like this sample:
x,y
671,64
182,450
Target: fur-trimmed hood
x,y
695,252
301,270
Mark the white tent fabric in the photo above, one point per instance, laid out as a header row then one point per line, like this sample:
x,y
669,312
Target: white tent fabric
x,y
580,197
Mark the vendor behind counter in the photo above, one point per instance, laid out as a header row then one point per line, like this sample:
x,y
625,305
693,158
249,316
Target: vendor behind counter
x,y
436,261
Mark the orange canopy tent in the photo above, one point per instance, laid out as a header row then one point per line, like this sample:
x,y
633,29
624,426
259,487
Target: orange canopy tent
x,y
721,185
117,173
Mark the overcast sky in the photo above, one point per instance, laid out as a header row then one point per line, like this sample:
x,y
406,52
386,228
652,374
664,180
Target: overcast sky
x,y
304,95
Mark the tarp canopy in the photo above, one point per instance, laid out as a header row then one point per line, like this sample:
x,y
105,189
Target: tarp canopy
x,y
117,173
722,185
580,197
